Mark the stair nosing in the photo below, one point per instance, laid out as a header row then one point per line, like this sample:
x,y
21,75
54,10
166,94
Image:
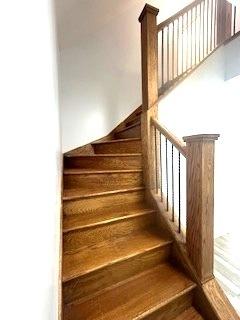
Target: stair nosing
x,y
85,196
109,221
89,172
117,140
117,260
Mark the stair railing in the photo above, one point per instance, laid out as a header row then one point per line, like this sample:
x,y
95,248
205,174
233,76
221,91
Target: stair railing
x,y
189,36
172,165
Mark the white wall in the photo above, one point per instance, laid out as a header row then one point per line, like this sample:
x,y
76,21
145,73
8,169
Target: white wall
x,y
232,59
100,64
30,162
205,103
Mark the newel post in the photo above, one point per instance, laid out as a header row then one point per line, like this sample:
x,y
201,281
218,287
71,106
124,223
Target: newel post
x,y
224,20
149,54
200,203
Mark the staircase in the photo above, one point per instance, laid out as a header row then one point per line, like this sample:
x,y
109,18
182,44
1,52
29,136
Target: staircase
x,y
123,257
116,263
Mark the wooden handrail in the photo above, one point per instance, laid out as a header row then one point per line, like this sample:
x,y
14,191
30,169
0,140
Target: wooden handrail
x,y
178,14
181,147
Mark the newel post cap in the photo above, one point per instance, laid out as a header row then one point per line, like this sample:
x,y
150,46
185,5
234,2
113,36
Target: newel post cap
x,y
148,9
201,138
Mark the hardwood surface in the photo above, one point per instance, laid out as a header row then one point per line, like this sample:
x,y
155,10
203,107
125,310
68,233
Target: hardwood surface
x,y
200,203
227,266
116,263
139,295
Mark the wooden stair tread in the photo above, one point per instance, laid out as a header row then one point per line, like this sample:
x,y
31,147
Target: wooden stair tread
x,y
90,258
94,171
103,155
189,314
71,194
117,141
108,215
136,124
135,298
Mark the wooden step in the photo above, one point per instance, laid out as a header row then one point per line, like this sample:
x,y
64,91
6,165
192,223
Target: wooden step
x,y
104,161
104,203
111,179
134,120
133,131
109,252
189,314
136,298
77,239
102,278
131,145
103,216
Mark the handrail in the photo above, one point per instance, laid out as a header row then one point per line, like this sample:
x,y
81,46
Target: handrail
x,y
173,139
178,14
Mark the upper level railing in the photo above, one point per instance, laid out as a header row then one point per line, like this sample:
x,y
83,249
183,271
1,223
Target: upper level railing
x,y
189,36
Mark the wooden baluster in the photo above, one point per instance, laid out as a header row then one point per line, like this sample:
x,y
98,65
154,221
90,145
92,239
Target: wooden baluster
x,y
149,43
224,20
200,203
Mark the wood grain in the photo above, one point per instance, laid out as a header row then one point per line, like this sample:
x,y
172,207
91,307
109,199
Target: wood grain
x,y
134,298
200,203
108,162
131,145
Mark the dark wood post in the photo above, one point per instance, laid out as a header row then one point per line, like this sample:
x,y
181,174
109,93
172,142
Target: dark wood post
x,y
200,203
224,21
149,49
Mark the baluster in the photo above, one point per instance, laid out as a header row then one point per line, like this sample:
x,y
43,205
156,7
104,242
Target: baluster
x,y
173,50
178,47
211,32
160,160
156,159
207,25
203,30
200,30
179,192
168,54
234,19
166,150
182,41
187,31
173,204
195,40
162,56
191,41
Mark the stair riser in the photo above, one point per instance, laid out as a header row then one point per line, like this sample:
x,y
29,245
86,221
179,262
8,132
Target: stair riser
x,y
82,238
134,132
105,162
87,285
172,309
94,204
111,180
118,147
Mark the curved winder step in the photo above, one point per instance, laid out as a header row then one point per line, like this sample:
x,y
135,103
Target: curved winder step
x,y
136,298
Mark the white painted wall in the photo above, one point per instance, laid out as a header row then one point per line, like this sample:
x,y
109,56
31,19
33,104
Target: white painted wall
x,y
232,59
100,64
30,162
206,103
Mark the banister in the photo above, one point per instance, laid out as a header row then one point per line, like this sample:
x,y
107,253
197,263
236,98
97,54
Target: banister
x,y
178,14
173,139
